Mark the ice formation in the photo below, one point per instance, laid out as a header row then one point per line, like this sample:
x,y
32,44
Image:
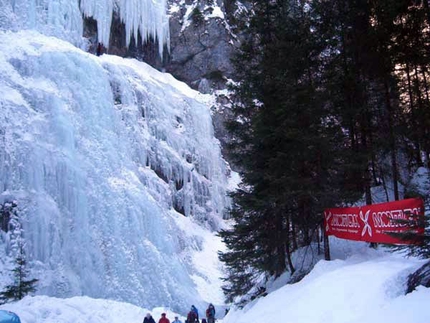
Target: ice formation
x,y
106,158
63,18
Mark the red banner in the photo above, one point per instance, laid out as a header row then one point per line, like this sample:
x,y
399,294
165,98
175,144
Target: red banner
x,y
376,222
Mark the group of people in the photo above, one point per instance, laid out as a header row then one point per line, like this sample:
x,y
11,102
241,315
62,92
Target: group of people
x,y
192,317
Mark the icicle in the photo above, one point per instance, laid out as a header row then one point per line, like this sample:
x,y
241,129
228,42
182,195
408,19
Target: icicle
x,y
147,17
63,18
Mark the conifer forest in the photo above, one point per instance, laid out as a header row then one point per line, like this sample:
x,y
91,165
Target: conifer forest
x,y
332,100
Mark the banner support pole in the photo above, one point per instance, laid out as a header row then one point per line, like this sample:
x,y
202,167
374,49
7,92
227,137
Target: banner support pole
x,y
326,244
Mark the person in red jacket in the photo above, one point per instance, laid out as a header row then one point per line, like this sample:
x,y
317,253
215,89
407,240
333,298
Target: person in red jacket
x,y
192,317
163,319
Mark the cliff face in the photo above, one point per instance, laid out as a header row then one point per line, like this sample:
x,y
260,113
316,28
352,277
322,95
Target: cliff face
x,y
202,44
203,38
205,34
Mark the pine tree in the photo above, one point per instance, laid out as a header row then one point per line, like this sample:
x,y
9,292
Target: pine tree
x,y
21,286
411,55
8,216
344,25
10,223
285,141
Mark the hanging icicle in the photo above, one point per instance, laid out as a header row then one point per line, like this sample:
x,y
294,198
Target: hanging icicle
x,y
63,18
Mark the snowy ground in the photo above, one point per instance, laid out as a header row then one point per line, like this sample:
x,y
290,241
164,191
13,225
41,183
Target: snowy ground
x,y
367,286
363,288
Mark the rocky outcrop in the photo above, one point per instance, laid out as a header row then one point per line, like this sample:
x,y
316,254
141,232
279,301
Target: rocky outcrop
x,y
205,34
202,44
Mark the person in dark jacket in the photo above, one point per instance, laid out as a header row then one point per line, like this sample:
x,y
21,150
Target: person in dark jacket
x,y
99,49
163,319
148,319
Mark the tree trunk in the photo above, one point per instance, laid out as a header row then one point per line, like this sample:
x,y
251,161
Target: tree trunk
x,y
392,141
426,147
294,235
426,7
414,123
288,250
318,242
282,238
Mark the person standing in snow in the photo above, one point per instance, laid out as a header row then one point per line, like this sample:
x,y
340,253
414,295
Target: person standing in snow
x,y
194,309
192,317
148,319
163,319
176,320
99,49
210,313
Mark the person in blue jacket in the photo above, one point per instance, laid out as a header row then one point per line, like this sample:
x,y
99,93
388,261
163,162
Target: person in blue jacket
x,y
8,317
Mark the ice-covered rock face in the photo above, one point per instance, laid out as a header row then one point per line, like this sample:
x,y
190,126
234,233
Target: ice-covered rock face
x,y
106,159
63,18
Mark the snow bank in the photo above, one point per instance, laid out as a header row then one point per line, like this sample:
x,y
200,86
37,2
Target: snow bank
x,y
366,287
43,309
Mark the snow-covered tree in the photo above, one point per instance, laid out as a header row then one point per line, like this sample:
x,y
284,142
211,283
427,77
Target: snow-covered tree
x,y
21,285
11,225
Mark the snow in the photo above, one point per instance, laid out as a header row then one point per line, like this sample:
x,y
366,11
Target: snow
x,y
421,181
212,11
366,285
43,309
234,181
209,11
63,18
187,16
99,153
215,13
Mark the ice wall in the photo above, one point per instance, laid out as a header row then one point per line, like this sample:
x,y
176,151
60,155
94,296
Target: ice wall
x,y
63,18
106,158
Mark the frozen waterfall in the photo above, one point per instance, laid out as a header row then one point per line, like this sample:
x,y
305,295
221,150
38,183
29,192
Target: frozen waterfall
x,y
111,163
63,18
